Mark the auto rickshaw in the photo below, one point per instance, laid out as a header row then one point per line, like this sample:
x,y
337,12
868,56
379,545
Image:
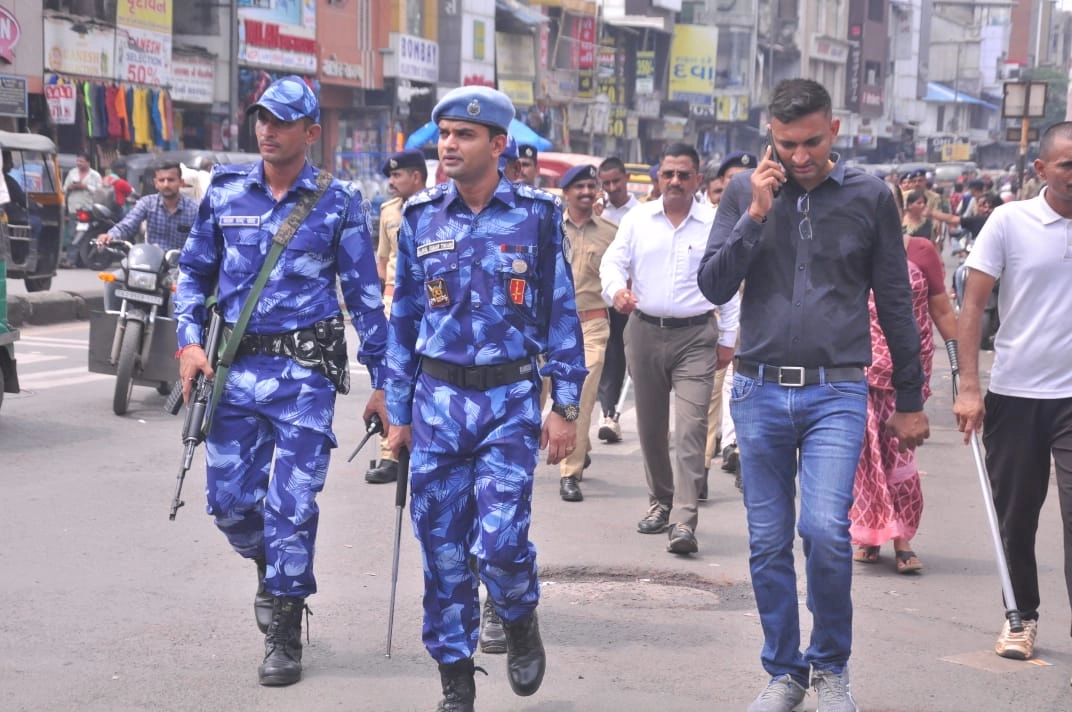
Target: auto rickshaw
x,y
9,377
31,229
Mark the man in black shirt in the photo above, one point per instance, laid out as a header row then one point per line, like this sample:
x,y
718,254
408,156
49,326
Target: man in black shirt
x,y
19,210
810,255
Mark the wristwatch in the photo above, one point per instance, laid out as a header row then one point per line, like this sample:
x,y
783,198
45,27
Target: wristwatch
x,y
569,413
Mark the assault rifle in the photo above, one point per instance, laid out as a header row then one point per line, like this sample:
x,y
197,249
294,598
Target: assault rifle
x,y
193,430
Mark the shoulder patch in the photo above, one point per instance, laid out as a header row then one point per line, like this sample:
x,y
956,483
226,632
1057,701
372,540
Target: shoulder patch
x,y
428,195
527,191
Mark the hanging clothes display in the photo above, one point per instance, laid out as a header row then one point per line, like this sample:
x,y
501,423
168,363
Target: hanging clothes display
x,y
143,132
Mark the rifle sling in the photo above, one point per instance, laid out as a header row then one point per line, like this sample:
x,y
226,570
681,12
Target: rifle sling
x,y
293,221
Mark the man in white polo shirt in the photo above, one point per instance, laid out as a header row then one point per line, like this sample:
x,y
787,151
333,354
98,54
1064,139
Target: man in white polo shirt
x,y
672,341
1026,416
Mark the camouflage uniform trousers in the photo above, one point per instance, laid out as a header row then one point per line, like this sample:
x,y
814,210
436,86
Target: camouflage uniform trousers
x,y
471,471
272,408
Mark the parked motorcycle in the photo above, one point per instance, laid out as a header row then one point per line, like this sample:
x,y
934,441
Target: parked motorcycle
x,y
138,310
89,225
988,325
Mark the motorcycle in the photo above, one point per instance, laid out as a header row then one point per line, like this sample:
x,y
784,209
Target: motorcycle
x,y
988,325
88,227
134,337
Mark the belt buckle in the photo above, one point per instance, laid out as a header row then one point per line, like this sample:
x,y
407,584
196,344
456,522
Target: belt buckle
x,y
475,377
797,371
663,322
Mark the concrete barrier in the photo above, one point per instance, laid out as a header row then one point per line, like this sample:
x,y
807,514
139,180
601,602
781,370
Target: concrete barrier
x,y
42,308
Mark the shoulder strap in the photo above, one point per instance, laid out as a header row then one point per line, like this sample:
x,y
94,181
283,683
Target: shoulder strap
x,y
293,221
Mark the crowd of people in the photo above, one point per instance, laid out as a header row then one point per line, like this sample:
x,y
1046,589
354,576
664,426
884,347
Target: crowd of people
x,y
780,307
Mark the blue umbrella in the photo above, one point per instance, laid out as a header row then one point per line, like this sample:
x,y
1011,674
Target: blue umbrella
x,y
521,133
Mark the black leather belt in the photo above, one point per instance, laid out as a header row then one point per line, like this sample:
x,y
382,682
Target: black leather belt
x,y
796,376
480,378
670,322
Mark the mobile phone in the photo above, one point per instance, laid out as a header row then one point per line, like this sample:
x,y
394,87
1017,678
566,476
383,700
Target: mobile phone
x,y
777,159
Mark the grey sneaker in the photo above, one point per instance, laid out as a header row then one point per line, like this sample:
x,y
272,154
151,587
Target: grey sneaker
x,y
783,694
833,691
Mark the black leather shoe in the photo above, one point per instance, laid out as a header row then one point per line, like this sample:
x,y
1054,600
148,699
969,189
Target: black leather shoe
x,y
570,489
262,602
525,659
459,686
492,637
387,471
282,644
656,521
682,540
731,459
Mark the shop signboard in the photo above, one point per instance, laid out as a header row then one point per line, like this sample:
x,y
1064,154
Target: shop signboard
x,y
693,58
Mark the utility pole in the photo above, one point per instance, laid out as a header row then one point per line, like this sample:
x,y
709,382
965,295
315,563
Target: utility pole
x,y
232,124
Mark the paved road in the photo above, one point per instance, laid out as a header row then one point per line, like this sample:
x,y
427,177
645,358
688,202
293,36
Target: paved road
x,y
113,608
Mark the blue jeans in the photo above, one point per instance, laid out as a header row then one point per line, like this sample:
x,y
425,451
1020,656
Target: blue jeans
x,y
817,430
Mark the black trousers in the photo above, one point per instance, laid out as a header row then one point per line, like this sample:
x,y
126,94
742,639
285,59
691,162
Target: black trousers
x,y
613,378
1021,435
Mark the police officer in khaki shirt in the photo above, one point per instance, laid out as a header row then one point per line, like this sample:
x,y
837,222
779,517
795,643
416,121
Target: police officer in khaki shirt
x,y
588,237
406,175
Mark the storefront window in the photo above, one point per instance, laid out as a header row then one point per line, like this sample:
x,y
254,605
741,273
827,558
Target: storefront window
x,y
415,18
734,57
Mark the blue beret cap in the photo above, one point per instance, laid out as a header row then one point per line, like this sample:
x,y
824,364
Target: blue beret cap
x,y
509,153
527,150
404,159
480,105
744,159
576,173
653,173
289,99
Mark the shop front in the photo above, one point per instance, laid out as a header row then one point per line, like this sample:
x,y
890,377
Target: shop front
x,y
22,105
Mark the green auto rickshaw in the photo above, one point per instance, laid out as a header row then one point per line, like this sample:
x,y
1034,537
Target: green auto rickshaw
x,y
9,377
31,200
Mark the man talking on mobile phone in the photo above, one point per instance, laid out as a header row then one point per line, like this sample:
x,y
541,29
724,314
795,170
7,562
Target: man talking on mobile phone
x,y
811,257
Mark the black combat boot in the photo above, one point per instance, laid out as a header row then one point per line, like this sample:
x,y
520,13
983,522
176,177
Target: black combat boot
x,y
525,659
262,602
282,643
492,637
459,687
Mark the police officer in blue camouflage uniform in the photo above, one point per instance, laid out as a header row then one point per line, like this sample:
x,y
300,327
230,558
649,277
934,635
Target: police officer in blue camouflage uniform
x,y
482,288
274,406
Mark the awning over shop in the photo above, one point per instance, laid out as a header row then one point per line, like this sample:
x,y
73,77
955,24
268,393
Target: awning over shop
x,y
521,133
520,12
940,93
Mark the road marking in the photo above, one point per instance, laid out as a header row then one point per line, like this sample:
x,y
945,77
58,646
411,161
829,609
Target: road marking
x,y
36,357
55,379
23,343
35,339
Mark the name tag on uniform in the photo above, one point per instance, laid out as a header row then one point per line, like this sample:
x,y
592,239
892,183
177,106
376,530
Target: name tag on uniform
x,y
429,248
240,221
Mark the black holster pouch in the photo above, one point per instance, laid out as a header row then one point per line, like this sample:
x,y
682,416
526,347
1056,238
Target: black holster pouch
x,y
320,347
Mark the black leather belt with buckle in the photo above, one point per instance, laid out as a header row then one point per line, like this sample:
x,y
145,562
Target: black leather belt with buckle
x,y
478,378
670,322
797,376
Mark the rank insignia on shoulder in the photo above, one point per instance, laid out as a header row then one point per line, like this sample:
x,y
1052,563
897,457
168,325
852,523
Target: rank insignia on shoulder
x,y
567,249
517,290
438,296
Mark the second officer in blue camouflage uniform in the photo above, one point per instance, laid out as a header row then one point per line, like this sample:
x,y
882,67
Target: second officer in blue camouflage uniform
x,y
482,288
274,417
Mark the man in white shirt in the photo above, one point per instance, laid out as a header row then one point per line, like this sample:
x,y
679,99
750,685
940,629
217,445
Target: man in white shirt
x,y
1026,415
619,201
671,340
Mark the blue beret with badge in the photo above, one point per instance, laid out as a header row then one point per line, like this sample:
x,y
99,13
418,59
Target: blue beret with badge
x,y
480,105
289,99
412,159
527,150
582,172
742,159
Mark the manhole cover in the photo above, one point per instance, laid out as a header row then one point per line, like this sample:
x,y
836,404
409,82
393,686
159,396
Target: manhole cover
x,y
642,590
